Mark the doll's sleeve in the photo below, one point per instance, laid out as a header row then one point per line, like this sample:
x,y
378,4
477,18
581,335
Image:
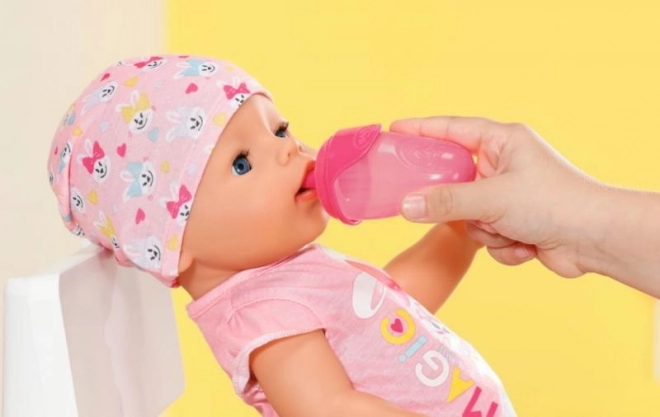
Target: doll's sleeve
x,y
259,323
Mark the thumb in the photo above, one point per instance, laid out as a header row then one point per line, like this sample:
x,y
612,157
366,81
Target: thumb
x,y
479,200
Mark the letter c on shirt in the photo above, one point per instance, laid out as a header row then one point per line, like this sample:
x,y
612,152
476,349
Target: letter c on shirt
x,y
398,339
432,358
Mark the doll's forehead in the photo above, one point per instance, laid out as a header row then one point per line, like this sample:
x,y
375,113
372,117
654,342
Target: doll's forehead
x,y
257,107
257,116
269,108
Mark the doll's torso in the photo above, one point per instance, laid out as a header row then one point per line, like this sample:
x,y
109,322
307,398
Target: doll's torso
x,y
390,345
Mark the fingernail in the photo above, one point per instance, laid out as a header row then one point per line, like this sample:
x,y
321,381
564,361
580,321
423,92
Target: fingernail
x,y
414,207
522,252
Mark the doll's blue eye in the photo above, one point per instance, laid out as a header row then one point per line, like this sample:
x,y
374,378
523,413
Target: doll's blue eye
x,y
281,131
241,165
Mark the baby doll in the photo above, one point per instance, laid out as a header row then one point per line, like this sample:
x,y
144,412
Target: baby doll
x,y
183,167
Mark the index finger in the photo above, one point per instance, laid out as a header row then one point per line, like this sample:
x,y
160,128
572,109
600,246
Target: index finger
x,y
470,132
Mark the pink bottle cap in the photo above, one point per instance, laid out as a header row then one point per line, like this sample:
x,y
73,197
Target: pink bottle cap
x,y
344,148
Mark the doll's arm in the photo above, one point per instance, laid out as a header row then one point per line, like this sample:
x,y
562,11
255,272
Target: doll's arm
x,y
302,377
430,270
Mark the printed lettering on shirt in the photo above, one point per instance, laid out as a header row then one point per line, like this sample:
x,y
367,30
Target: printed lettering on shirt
x,y
471,412
434,369
458,385
398,333
365,289
432,366
413,349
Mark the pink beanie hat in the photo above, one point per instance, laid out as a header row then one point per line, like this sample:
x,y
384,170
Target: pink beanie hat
x,y
129,154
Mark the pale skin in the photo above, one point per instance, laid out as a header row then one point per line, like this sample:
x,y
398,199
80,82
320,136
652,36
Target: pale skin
x,y
265,218
529,202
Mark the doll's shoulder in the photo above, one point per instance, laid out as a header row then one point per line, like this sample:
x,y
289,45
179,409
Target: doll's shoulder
x,y
313,275
323,255
311,260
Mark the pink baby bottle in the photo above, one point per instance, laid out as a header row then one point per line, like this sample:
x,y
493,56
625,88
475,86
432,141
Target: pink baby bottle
x,y
363,173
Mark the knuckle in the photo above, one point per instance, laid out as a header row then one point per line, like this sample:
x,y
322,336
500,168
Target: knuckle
x,y
443,202
518,127
525,130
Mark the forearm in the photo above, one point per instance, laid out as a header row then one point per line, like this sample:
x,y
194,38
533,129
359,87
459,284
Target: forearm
x,y
431,269
359,404
622,239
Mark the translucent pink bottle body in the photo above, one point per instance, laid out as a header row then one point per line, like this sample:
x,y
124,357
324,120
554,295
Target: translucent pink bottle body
x,y
363,173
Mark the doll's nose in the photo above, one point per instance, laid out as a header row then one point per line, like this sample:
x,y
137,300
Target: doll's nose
x,y
290,148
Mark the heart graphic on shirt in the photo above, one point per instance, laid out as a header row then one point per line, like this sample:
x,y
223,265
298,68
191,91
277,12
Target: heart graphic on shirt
x,y
397,326
165,167
92,197
139,216
105,76
192,87
121,150
458,385
131,82
172,243
77,131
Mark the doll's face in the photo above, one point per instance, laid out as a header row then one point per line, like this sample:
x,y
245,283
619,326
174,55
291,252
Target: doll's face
x,y
248,209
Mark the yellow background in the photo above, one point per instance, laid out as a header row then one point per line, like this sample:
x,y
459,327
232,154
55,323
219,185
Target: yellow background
x,y
583,74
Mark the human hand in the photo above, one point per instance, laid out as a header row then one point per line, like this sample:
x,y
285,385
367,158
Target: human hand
x,y
528,201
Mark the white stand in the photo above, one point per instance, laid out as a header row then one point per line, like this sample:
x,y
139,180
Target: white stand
x,y
89,338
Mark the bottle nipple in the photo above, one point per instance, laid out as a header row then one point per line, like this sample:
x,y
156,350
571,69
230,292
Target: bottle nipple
x,y
310,180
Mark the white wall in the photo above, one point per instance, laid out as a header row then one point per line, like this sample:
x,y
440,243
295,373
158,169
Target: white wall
x,y
49,51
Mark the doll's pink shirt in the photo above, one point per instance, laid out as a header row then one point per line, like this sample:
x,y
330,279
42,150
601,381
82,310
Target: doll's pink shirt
x,y
390,345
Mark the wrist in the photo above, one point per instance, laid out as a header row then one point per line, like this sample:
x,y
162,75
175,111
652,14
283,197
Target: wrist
x,y
612,232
